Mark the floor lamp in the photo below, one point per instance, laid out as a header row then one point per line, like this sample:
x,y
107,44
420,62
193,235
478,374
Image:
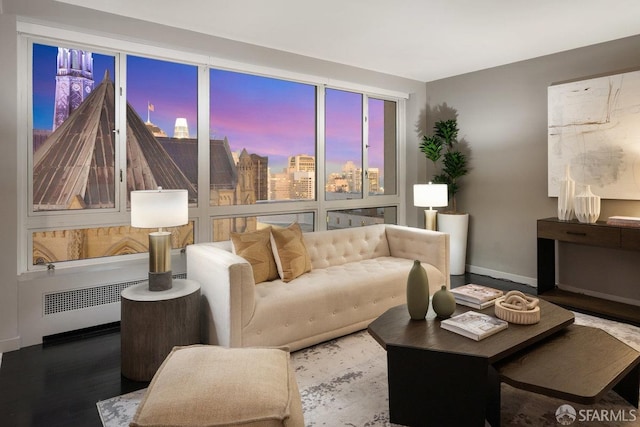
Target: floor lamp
x,y
430,196
157,209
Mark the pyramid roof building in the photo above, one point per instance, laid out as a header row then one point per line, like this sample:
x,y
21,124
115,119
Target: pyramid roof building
x,y
74,168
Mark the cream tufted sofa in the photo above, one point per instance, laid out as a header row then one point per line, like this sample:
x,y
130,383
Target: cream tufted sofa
x,y
357,274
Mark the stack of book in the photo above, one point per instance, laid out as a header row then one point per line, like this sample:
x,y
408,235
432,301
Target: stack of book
x,y
474,325
476,296
624,221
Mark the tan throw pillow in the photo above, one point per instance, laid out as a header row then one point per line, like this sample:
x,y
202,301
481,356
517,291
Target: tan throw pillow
x,y
255,247
290,253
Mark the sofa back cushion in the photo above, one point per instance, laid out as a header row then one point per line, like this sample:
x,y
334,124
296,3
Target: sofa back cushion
x,y
255,247
289,251
337,247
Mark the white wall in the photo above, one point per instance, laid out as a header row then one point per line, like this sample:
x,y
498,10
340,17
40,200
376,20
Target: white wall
x,y
25,325
502,113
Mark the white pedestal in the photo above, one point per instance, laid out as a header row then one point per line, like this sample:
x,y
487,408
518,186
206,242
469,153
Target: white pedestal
x,y
457,226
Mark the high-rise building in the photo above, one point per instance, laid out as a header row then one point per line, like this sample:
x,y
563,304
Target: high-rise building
x,y
181,129
261,176
279,186
302,162
303,185
373,176
302,176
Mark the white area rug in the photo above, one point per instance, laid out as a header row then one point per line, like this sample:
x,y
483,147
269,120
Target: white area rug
x,y
343,382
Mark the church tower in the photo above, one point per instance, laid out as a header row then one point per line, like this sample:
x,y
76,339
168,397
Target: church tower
x,y
74,82
246,179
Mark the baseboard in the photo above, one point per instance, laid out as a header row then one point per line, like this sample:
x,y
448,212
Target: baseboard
x,y
80,334
529,281
600,295
10,344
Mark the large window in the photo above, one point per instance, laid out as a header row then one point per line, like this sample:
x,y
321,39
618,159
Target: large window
x,y
106,122
263,139
343,146
73,144
382,148
162,125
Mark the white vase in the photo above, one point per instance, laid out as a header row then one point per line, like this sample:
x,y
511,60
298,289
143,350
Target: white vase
x,y
566,196
457,226
587,206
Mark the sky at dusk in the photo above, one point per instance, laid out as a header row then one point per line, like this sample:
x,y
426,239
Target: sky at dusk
x,y
269,117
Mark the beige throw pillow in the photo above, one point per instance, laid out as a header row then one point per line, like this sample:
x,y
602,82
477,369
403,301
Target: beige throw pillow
x,y
290,253
255,247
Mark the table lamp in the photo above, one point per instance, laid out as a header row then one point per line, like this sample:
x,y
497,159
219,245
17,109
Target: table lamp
x,y
431,196
157,209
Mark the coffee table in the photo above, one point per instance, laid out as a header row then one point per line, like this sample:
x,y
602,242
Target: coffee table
x,y
437,377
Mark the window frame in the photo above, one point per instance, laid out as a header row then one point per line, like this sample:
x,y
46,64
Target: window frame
x,y
204,214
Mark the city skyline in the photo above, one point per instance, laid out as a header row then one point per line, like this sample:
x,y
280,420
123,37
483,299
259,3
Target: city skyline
x,y
267,116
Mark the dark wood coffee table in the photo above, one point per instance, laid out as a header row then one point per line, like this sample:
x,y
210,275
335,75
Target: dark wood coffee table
x,y
579,364
437,377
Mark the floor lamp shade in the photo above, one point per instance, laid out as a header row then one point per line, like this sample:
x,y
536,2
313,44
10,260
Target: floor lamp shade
x,y
430,196
157,209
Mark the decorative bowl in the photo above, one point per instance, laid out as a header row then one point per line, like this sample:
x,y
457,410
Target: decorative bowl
x,y
516,307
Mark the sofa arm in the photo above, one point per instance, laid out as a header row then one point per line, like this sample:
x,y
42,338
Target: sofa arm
x,y
427,246
227,288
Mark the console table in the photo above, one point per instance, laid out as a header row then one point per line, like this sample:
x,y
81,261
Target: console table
x,y
599,234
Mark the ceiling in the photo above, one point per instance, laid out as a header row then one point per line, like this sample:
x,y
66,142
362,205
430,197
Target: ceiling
x,y
423,40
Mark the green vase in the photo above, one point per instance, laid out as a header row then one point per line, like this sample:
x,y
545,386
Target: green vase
x,y
444,304
417,292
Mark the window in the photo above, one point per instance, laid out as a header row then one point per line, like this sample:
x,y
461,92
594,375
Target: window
x,y
107,121
73,145
162,137
223,227
263,139
343,146
381,173
360,217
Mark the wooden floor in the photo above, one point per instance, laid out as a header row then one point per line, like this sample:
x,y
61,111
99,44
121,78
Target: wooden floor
x,y
59,383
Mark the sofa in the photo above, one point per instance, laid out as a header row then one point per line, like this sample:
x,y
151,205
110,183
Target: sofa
x,y
355,274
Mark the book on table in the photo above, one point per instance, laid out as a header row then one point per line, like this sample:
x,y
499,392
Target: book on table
x,y
474,325
478,306
476,296
624,221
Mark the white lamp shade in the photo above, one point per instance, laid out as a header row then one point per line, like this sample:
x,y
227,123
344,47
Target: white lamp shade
x,y
159,208
430,195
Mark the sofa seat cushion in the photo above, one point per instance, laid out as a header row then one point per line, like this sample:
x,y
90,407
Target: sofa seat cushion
x,y
326,299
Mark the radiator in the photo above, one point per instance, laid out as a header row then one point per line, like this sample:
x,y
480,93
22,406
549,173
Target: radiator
x,y
77,299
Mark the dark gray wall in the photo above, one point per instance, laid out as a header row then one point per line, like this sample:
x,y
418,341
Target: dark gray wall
x,y
502,114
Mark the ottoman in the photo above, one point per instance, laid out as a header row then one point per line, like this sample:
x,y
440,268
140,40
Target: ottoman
x,y
203,385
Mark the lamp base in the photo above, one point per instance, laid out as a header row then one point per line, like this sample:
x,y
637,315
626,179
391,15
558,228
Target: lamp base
x,y
430,221
160,281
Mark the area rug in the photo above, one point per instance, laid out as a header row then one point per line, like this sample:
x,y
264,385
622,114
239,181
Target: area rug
x,y
343,382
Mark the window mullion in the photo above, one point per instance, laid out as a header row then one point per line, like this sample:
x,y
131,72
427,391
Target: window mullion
x,y
365,147
321,223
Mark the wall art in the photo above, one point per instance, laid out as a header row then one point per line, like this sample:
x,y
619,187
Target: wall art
x,y
594,127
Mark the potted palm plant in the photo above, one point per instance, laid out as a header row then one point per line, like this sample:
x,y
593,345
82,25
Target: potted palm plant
x,y
449,164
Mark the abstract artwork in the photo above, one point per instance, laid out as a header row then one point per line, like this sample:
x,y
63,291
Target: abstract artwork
x,y
594,127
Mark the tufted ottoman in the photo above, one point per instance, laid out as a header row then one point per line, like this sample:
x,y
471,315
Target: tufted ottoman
x,y
214,386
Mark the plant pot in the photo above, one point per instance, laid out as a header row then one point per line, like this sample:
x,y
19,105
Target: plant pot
x,y
457,226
